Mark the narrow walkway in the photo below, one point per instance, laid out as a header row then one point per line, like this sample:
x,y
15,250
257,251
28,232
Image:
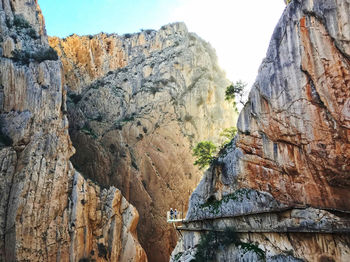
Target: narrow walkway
x,y
281,230
173,219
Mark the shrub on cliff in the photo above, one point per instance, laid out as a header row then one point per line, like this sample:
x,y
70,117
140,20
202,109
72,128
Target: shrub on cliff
x,y
204,152
229,133
25,57
20,22
212,241
235,90
22,25
45,54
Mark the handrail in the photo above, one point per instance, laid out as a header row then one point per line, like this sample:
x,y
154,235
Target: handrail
x,y
276,210
178,218
277,230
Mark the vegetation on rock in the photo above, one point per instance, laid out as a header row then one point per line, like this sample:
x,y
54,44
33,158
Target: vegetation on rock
x,y
229,133
21,25
24,57
252,247
212,241
204,152
235,90
214,205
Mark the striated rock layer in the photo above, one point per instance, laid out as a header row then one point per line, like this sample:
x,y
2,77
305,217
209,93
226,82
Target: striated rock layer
x,y
48,211
292,150
137,103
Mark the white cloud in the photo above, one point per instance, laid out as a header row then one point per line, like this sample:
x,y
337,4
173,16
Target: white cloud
x,y
239,30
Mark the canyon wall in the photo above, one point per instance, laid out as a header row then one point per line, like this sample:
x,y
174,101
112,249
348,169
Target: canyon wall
x,y
48,211
284,181
136,104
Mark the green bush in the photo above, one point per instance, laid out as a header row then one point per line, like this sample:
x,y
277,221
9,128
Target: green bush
x,y
25,57
210,243
214,205
229,133
252,247
204,152
235,89
21,56
45,54
20,22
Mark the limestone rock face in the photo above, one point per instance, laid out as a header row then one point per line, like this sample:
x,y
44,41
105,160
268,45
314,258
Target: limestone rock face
x,y
292,150
136,105
48,211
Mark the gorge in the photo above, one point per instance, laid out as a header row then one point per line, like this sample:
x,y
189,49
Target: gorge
x,y
136,104
97,131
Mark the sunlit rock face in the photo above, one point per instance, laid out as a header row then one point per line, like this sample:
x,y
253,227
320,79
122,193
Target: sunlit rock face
x,y
137,103
48,211
284,182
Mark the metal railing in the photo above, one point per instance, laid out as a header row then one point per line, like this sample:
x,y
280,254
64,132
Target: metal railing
x,y
174,218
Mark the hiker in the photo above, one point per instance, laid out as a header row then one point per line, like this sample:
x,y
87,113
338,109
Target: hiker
x,y
171,213
175,213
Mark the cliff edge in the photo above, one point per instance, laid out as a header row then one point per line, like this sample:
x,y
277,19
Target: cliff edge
x,y
48,211
284,181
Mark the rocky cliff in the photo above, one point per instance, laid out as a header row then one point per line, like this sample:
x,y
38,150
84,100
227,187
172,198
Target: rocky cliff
x,y
284,181
48,211
137,104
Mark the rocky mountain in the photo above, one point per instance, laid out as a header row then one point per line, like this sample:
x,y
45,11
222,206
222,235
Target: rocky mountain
x,y
284,181
136,105
48,210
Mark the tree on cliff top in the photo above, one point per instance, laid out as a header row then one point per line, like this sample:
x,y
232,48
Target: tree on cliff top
x,y
204,152
235,90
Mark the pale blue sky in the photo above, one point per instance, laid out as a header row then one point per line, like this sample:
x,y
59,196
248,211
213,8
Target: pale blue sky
x,y
239,30
64,17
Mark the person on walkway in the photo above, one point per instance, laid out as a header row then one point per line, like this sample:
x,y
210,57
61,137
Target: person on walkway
x,y
175,213
171,213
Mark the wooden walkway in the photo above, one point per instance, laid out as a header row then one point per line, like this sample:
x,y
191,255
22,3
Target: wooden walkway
x,y
277,230
341,227
177,219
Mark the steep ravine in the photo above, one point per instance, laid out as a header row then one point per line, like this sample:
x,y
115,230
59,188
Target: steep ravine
x,y
284,182
48,210
136,104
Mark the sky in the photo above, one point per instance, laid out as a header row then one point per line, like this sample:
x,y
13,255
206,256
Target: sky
x,y
239,30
